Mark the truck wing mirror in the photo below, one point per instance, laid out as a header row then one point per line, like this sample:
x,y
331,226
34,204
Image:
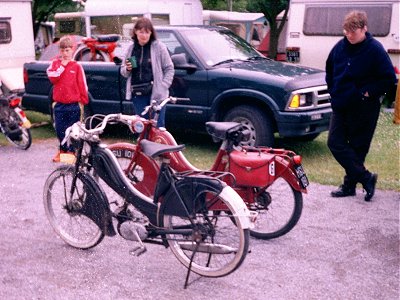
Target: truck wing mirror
x,y
180,61
117,60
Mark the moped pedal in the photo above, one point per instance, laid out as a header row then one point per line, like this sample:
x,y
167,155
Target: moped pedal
x,y
139,250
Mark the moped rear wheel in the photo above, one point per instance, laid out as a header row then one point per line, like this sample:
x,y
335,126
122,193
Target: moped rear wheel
x,y
218,243
62,210
279,209
24,140
84,54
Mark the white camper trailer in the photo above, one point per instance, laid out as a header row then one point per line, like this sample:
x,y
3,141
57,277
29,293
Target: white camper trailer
x,y
315,26
16,42
114,17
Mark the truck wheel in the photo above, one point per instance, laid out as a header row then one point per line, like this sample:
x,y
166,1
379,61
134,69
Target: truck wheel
x,y
259,125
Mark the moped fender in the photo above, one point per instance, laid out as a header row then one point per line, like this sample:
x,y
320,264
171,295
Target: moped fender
x,y
21,114
235,203
284,170
96,206
188,197
191,193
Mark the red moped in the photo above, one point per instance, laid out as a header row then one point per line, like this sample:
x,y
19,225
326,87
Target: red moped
x,y
100,48
270,181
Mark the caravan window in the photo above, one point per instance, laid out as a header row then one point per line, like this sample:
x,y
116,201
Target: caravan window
x,y
159,19
110,24
121,24
67,27
323,20
5,31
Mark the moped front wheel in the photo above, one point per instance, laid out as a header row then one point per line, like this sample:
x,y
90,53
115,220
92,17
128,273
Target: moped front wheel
x,y
63,210
216,243
279,209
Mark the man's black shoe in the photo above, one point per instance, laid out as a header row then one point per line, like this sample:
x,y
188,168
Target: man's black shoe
x,y
343,191
369,187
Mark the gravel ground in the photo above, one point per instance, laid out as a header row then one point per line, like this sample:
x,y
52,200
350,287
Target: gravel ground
x,y
340,249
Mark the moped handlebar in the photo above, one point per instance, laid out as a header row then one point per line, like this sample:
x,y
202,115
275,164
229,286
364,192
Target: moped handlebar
x,y
78,131
156,107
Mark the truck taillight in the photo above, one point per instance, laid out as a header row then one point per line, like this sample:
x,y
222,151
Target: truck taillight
x,y
15,102
26,77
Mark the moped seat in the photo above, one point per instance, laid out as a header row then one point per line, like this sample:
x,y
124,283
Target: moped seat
x,y
153,149
108,38
220,130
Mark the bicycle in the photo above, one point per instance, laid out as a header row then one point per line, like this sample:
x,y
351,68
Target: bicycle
x,y
270,181
182,214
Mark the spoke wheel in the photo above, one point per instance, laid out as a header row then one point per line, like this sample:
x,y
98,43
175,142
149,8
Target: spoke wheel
x,y
63,210
279,209
85,55
25,140
215,247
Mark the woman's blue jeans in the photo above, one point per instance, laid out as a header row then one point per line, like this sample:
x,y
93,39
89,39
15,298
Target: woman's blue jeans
x,y
139,104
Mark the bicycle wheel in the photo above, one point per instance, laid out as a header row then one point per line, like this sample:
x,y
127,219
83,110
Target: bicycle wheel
x,y
62,210
143,173
217,244
279,209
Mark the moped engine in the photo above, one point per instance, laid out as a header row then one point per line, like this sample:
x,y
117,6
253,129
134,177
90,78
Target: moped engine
x,y
132,224
132,231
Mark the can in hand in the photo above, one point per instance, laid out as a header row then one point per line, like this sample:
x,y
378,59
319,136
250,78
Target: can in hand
x,y
133,62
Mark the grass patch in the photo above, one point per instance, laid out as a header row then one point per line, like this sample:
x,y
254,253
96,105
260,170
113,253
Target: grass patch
x,y
383,157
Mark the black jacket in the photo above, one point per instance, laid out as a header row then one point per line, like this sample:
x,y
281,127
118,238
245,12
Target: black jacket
x,y
352,70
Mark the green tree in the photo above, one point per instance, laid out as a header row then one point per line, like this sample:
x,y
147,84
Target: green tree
x,y
44,10
271,9
237,5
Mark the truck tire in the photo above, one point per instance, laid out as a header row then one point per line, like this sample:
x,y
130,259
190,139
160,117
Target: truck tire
x,y
257,122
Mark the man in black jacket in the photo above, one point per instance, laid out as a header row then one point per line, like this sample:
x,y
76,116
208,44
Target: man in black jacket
x,y
358,73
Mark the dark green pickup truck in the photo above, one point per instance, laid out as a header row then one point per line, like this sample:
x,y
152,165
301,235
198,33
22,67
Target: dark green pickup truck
x,y
225,79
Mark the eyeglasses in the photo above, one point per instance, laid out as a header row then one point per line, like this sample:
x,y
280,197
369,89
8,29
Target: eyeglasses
x,y
351,30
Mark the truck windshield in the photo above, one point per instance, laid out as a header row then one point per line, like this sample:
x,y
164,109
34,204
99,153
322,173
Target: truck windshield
x,y
217,47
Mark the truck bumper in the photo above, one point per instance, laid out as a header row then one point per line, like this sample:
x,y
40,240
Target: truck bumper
x,y
292,124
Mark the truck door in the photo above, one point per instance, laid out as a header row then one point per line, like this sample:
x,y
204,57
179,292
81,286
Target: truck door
x,y
190,81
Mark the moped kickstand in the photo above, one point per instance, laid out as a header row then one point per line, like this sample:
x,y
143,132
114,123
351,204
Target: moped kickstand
x,y
138,250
